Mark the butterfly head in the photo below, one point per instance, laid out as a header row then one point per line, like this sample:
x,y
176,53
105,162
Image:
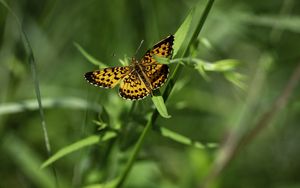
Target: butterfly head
x,y
134,61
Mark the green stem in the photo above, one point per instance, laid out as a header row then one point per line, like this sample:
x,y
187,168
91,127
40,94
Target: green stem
x,y
166,94
134,154
32,65
178,68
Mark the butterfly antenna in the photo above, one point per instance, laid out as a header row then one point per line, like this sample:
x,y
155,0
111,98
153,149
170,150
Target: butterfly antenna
x,y
141,43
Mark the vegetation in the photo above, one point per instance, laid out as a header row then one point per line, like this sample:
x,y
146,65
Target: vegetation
x,y
227,117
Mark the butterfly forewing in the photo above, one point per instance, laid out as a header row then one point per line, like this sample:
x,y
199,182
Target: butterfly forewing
x,y
161,49
158,73
108,77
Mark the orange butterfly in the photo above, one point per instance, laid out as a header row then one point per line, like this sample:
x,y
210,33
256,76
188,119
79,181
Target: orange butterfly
x,y
140,78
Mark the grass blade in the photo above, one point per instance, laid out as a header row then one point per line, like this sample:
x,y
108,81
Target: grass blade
x,y
184,140
182,32
76,146
32,64
28,162
89,57
64,102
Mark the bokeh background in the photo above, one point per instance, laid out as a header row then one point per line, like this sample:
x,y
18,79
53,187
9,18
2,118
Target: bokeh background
x,y
264,36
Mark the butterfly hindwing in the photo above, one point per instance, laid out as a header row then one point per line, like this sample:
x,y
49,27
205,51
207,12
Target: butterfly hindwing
x,y
157,74
108,77
133,88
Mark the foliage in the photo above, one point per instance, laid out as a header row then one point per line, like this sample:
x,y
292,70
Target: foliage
x,y
228,110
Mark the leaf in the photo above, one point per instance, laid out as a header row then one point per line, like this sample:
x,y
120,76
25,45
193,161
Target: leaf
x,y
206,43
125,61
286,22
199,66
181,33
227,66
236,78
185,140
33,70
27,161
162,60
221,66
76,146
109,184
64,102
89,57
160,104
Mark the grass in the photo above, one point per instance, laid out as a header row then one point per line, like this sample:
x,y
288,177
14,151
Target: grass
x,y
228,106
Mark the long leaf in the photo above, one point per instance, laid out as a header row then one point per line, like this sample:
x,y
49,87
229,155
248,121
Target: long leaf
x,y
89,57
26,160
31,105
94,139
160,105
33,70
185,140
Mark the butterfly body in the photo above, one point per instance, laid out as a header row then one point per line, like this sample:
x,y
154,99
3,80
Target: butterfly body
x,y
138,79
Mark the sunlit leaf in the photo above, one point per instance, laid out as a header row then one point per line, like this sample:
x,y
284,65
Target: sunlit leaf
x,y
199,66
160,104
222,65
109,184
181,32
64,102
185,140
162,60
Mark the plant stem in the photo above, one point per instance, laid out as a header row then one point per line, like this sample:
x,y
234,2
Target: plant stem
x,y
166,94
32,64
134,154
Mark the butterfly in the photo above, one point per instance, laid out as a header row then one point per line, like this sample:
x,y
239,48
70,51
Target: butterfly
x,y
140,78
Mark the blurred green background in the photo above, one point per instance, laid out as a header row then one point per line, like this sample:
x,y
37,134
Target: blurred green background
x,y
264,36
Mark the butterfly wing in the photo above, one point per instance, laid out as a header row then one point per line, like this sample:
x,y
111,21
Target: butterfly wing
x,y
108,77
133,88
158,73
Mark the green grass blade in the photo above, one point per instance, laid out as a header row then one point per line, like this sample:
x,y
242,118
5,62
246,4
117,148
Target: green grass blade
x,y
109,184
32,65
27,161
33,69
182,32
76,146
74,103
89,57
286,22
184,140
